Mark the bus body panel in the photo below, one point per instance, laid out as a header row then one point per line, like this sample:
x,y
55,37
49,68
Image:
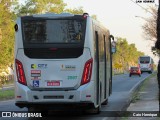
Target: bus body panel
x,y
104,75
18,37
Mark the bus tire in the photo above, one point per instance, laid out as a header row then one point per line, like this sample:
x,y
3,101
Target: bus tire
x,y
105,102
150,72
93,110
35,109
32,109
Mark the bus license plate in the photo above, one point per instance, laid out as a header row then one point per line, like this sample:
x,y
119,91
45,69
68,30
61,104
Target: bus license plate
x,y
53,83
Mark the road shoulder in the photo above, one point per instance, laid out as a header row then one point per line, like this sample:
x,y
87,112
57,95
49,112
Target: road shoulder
x,y
147,100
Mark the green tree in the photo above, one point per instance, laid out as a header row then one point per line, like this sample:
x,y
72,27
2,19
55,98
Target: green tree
x,y
75,10
126,55
40,6
79,11
7,33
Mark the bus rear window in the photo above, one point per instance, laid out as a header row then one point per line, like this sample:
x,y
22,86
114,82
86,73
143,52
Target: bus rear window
x,y
45,38
53,31
144,60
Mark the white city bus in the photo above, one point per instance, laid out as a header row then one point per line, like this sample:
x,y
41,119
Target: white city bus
x,y
145,64
62,60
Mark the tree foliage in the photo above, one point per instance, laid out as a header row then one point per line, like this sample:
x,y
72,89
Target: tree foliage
x,y
149,28
6,33
9,9
40,6
43,6
126,55
75,10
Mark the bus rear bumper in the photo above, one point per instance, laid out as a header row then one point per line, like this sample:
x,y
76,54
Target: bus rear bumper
x,y
146,69
25,97
57,105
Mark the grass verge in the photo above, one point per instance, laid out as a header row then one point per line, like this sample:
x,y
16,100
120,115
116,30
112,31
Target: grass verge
x,y
136,95
6,94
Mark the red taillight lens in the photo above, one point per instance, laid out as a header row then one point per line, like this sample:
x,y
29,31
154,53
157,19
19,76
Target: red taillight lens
x,y
87,72
20,73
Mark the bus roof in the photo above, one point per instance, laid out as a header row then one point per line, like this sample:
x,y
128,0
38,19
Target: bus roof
x,y
145,56
55,15
52,15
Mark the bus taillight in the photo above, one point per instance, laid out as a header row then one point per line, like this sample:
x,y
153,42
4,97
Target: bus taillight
x,y
87,72
20,73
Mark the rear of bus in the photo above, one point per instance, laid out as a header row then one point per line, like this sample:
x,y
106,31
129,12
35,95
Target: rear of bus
x,y
146,64
52,60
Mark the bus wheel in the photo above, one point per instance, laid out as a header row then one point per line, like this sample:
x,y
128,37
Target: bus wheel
x,y
150,72
92,111
35,109
32,109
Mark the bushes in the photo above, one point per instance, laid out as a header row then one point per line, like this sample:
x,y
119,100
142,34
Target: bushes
x,y
6,79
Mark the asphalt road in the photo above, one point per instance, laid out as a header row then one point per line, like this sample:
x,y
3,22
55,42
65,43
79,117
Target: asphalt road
x,y
123,86
124,83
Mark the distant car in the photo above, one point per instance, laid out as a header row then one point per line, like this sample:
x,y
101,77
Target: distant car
x,y
135,71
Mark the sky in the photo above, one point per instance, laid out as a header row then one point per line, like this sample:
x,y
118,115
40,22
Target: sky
x,y
119,17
